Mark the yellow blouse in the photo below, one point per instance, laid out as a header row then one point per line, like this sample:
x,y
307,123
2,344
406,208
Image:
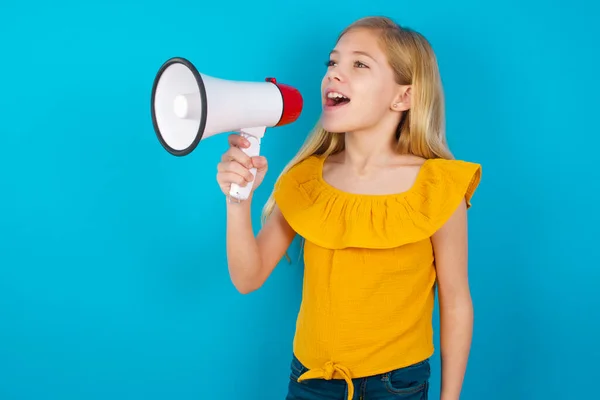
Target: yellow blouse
x,y
369,275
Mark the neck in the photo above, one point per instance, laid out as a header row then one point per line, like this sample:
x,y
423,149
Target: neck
x,y
368,148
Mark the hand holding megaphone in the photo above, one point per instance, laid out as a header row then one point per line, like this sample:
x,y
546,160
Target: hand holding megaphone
x,y
239,168
188,107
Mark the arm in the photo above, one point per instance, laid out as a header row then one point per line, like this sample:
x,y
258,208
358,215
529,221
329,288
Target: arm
x,y
456,308
252,259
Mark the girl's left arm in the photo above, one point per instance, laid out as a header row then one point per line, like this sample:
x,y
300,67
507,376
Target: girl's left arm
x,y
450,245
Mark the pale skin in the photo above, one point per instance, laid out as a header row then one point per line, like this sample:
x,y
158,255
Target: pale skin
x,y
369,164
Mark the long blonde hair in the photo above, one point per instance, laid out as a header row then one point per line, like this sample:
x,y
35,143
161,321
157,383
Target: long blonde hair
x,y
422,129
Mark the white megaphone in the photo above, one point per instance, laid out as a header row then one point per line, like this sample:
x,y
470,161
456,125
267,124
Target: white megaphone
x,y
188,106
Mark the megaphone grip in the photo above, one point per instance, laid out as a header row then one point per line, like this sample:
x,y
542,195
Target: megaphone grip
x,y
236,191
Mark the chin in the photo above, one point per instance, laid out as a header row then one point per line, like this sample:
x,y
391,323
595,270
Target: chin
x,y
337,120
330,125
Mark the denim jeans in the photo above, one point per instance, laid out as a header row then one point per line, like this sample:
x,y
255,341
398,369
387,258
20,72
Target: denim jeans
x,y
408,383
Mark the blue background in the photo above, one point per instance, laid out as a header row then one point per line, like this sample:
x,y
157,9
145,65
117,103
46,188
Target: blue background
x,y
113,277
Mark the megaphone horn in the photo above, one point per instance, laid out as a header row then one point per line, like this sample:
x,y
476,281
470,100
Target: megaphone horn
x,y
188,107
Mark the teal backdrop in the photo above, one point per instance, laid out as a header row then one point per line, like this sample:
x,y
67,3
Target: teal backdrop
x,y
113,274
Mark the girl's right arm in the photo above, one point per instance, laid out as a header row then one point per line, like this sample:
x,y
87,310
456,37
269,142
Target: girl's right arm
x,y
250,259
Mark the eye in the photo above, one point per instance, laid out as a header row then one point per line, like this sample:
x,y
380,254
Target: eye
x,y
360,64
329,63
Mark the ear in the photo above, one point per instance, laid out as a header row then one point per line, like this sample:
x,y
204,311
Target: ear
x,y
402,100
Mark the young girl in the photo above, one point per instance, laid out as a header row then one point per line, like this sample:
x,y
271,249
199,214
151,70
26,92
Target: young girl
x,y
381,205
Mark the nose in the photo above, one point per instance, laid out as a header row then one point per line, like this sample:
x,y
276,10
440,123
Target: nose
x,y
334,74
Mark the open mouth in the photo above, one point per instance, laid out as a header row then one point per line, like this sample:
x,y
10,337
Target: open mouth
x,y
334,99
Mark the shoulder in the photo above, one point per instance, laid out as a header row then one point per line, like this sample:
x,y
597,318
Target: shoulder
x,y
297,188
303,170
298,179
450,179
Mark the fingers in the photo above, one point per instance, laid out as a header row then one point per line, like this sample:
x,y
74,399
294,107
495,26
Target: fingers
x,y
235,165
236,140
236,154
260,163
236,168
226,179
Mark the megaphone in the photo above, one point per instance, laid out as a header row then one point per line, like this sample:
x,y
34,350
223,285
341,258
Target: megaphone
x,y
188,107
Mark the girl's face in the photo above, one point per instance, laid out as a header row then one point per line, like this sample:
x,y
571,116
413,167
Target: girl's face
x,y
359,89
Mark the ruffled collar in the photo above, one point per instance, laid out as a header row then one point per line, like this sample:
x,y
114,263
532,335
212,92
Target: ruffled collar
x,y
335,219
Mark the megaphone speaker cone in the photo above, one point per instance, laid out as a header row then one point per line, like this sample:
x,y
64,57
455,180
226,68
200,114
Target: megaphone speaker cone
x,y
179,106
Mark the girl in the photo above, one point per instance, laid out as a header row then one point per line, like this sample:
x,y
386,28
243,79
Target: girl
x,y
381,205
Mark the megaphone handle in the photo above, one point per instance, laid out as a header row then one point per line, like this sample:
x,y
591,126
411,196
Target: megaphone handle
x,y
238,192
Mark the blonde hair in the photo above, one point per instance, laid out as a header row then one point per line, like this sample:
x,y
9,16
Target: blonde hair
x,y
422,129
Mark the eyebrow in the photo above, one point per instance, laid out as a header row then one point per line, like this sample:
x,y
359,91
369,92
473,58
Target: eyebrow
x,y
355,52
